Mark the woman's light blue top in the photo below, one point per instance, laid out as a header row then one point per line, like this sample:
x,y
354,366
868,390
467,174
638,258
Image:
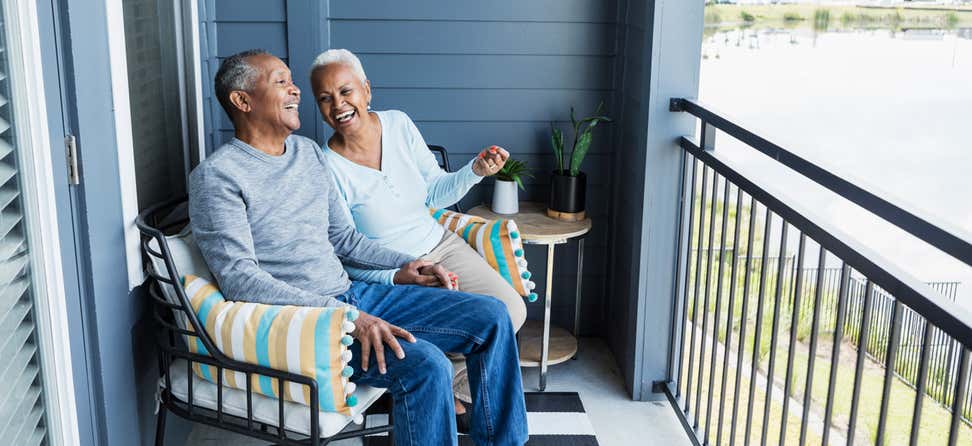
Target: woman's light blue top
x,y
391,205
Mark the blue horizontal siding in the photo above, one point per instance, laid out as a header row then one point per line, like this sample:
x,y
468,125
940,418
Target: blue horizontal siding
x,y
466,37
586,11
520,136
488,105
233,37
488,71
251,11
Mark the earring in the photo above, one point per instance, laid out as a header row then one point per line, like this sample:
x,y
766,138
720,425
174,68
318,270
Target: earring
x,y
369,106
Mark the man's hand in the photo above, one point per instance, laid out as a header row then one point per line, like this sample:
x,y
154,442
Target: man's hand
x,y
490,161
426,273
373,333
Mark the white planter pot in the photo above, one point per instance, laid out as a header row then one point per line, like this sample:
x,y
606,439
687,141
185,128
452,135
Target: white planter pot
x,y
505,200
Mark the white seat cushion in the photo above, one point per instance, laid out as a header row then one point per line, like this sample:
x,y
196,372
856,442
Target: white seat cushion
x,y
265,410
185,256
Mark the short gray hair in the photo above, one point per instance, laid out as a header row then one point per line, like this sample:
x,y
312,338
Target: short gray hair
x,y
235,74
340,56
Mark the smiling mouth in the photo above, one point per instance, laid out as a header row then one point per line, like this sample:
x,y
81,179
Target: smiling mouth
x,y
291,106
345,117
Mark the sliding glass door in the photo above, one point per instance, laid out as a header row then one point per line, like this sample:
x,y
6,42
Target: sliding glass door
x,y
35,398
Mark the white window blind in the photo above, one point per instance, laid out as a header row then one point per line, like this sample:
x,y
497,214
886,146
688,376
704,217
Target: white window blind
x,y
23,420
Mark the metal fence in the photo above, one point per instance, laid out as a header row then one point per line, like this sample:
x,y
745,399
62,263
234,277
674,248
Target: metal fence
x,y
748,361
944,359
943,362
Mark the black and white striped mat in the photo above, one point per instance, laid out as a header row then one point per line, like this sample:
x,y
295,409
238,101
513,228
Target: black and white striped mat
x,y
554,418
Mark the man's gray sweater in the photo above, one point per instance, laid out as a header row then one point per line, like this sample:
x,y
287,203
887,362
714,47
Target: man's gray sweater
x,y
271,229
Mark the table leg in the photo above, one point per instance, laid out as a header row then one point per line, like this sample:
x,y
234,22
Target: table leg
x,y
577,296
548,292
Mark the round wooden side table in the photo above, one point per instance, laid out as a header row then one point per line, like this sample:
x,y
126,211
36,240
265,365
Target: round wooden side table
x,y
541,344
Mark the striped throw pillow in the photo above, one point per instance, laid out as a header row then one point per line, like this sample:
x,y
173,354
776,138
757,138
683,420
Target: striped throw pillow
x,y
309,341
498,241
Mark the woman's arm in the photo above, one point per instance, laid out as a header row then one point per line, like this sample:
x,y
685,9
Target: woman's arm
x,y
444,189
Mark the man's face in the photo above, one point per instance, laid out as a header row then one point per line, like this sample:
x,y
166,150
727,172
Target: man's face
x,y
274,98
341,97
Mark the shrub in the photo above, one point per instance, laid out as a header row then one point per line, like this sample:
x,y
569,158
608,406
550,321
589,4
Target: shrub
x,y
792,17
847,18
821,18
747,17
951,19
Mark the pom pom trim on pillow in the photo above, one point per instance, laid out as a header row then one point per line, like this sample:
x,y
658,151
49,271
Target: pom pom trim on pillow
x,y
497,241
310,341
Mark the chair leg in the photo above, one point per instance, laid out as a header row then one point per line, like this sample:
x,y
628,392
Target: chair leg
x,y
160,427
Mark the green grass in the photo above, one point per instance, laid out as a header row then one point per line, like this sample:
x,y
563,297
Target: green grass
x,y
759,404
934,421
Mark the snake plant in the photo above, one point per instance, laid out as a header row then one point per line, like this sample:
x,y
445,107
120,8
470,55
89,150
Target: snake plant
x,y
582,141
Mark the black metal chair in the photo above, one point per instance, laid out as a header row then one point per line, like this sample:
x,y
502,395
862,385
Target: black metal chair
x,y
443,157
168,218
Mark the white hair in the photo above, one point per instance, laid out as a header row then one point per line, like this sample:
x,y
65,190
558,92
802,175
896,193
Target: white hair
x,y
340,56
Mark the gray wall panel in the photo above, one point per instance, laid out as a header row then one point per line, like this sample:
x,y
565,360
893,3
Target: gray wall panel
x,y
516,136
233,37
660,60
488,104
488,71
474,37
251,11
588,11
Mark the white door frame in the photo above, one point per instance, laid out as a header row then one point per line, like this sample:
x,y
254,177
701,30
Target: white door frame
x,y
36,168
190,82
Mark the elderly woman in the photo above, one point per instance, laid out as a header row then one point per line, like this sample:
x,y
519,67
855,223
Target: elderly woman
x,y
389,179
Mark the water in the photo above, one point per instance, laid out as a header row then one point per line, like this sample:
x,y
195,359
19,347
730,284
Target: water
x,y
892,110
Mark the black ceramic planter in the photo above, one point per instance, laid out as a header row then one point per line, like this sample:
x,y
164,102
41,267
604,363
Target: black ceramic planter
x,y
567,195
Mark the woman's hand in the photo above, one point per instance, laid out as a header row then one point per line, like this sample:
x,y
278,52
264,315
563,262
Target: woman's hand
x,y
490,161
426,273
373,333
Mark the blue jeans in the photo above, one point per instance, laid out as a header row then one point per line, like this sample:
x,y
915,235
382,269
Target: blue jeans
x,y
477,326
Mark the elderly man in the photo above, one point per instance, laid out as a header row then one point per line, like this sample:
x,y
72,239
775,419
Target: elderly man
x,y
265,214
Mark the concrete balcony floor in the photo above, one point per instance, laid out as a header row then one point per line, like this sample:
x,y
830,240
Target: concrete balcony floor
x,y
594,375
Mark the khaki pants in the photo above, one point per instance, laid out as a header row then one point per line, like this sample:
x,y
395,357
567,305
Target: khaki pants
x,y
476,276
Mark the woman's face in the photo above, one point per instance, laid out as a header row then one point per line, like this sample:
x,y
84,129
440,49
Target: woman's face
x,y
341,97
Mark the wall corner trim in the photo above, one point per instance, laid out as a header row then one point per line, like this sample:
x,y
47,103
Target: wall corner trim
x,y
115,22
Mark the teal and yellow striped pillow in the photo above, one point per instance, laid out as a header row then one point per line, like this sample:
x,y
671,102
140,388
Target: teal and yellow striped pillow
x,y
309,341
498,241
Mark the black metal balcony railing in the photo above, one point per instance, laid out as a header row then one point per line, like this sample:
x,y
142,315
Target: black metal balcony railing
x,y
784,352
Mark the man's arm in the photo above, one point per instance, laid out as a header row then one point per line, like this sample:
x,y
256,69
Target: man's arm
x,y
220,227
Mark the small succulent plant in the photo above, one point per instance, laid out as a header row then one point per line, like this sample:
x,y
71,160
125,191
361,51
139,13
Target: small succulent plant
x,y
514,170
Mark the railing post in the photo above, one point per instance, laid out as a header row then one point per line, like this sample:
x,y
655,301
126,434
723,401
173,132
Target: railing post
x,y
676,354
708,136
